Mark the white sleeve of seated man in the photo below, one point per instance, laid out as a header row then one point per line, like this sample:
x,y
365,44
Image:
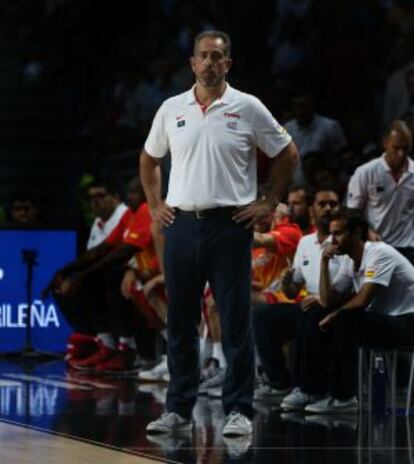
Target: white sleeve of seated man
x,y
379,268
298,277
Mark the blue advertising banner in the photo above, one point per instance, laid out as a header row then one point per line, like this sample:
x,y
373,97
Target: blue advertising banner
x,y
52,249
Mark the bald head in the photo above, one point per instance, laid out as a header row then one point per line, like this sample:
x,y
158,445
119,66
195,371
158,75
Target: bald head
x,y
397,144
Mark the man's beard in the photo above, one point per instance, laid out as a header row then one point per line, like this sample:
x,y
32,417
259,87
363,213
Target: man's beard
x,y
323,224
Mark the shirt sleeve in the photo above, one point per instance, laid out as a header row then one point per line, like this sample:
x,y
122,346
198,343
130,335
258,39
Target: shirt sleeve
x,y
379,268
297,265
270,136
356,195
286,239
157,143
117,233
138,232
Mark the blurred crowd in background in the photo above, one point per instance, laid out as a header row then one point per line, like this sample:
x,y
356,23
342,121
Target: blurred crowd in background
x,y
109,65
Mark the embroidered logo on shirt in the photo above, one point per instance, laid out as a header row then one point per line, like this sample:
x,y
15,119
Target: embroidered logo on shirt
x,y
232,115
134,235
181,123
305,262
179,117
370,272
232,125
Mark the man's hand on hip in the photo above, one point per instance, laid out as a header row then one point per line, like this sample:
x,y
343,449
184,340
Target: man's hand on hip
x,y
254,213
164,215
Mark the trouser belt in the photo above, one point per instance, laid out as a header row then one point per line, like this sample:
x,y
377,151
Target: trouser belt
x,y
206,213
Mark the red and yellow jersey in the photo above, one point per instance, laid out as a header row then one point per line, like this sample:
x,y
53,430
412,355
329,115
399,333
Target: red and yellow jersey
x,y
267,266
138,233
117,234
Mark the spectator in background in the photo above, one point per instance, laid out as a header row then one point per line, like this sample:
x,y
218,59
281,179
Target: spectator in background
x,y
399,94
24,210
384,190
312,132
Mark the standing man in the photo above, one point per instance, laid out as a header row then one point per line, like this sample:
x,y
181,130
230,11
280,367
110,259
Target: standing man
x,y
212,132
384,190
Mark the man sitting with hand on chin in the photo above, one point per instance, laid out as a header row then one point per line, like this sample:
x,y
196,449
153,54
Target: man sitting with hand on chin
x,y
380,313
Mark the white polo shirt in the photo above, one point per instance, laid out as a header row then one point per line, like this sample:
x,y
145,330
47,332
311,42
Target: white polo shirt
x,y
382,264
213,154
388,205
101,230
307,266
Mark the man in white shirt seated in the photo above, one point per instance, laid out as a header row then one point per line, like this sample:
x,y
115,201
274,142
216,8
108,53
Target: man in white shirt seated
x,y
276,324
381,313
107,209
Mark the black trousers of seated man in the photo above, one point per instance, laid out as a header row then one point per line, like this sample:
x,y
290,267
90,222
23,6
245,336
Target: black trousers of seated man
x,y
98,306
328,360
274,326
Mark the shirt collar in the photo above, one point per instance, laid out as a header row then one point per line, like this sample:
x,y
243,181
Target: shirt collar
x,y
225,98
410,167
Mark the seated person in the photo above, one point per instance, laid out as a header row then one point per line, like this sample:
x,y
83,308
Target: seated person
x,y
381,313
274,245
81,286
107,210
276,324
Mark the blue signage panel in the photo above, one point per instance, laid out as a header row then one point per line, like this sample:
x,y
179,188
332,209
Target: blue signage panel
x,y
52,249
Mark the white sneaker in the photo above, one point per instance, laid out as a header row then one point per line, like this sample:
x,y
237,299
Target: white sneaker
x,y
268,394
297,400
237,446
331,405
237,424
159,373
214,382
170,422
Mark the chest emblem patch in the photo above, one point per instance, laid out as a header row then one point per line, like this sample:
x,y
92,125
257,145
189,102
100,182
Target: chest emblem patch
x,y
181,123
232,125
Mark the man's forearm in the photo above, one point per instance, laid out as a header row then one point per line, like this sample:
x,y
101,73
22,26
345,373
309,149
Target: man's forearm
x,y
120,254
325,288
86,259
150,174
264,240
281,172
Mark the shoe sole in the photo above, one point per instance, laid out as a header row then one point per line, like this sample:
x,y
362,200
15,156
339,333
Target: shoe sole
x,y
234,433
332,411
270,400
292,407
165,430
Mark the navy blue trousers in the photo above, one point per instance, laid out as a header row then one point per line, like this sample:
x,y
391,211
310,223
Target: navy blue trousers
x,y
217,250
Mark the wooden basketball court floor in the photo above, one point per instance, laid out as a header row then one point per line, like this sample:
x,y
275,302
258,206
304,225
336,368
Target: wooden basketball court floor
x,y
48,415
